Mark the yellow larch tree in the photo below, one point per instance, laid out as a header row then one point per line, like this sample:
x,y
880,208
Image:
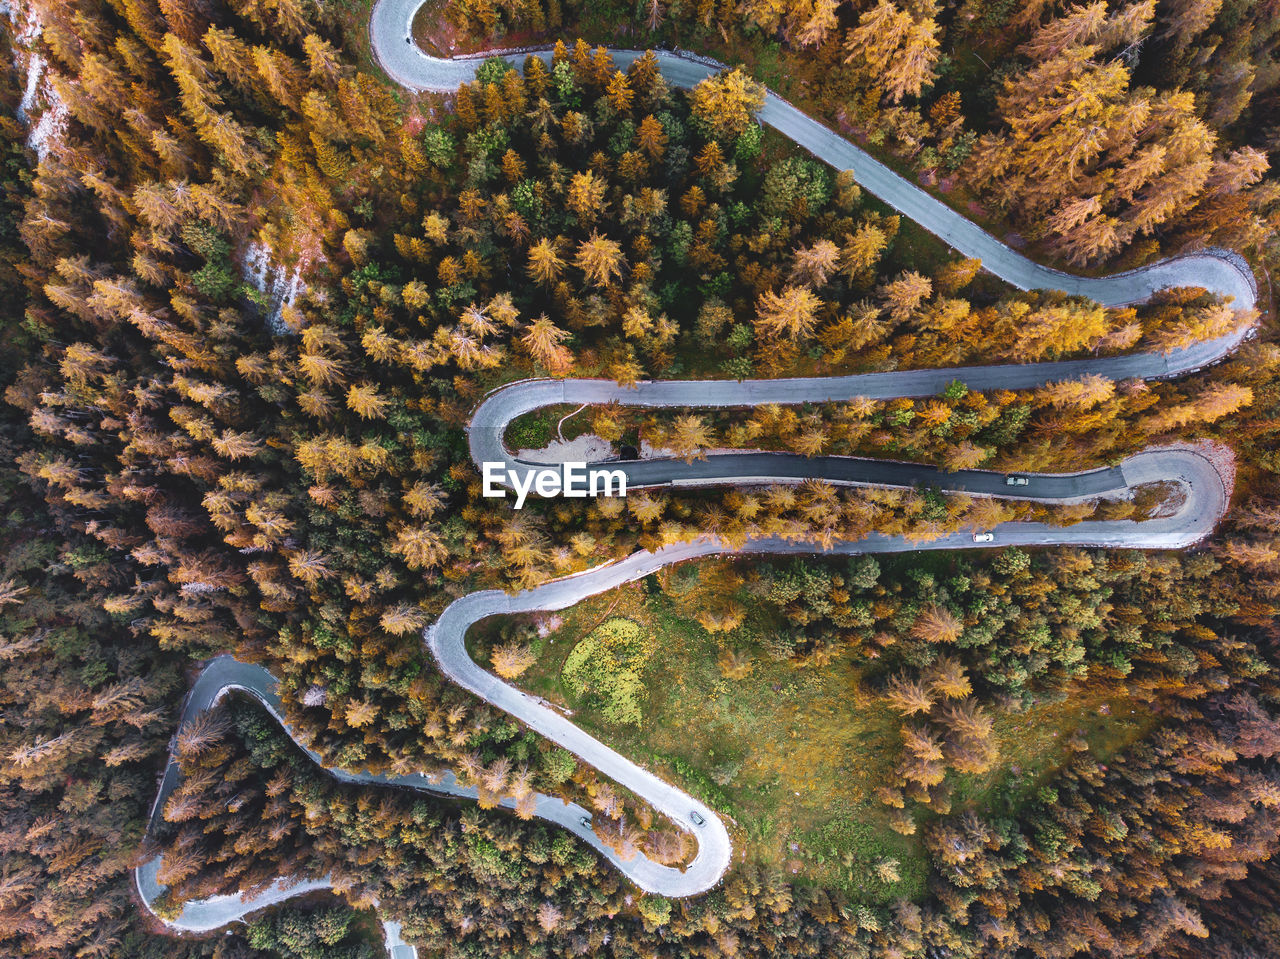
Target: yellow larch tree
x,y
727,103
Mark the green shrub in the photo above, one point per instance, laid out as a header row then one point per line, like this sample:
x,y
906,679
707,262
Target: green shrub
x,y
605,669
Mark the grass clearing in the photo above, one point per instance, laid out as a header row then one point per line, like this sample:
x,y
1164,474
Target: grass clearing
x,y
1034,744
535,429
790,755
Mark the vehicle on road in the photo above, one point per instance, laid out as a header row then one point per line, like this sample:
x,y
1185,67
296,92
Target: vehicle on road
x,y
697,818
984,537
1016,481
586,822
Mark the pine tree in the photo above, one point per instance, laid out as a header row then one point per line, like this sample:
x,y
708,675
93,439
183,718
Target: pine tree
x,y
813,265
689,437
1187,19
651,138
586,196
937,624
905,294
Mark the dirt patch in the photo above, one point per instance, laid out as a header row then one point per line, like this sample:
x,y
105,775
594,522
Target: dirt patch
x,y
433,32
1169,498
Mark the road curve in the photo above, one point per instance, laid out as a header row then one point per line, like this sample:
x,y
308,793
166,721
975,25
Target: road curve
x,y
1205,495
225,674
495,413
1204,500
1221,271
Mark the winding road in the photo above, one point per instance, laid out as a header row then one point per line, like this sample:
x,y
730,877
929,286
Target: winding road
x,y
225,674
1226,272
489,422
1205,493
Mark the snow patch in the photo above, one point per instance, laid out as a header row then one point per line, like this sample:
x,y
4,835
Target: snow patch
x,y
199,588
280,286
50,127
650,452
35,70
548,624
47,124
587,448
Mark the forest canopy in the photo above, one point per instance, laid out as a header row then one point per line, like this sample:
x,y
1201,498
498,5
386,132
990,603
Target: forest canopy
x,y
253,292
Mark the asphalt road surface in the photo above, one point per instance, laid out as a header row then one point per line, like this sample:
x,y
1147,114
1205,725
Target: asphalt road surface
x,y
488,424
1223,271
1204,494
1205,499
225,674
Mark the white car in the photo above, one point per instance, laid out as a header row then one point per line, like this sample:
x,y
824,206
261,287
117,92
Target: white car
x,y
1016,481
984,537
